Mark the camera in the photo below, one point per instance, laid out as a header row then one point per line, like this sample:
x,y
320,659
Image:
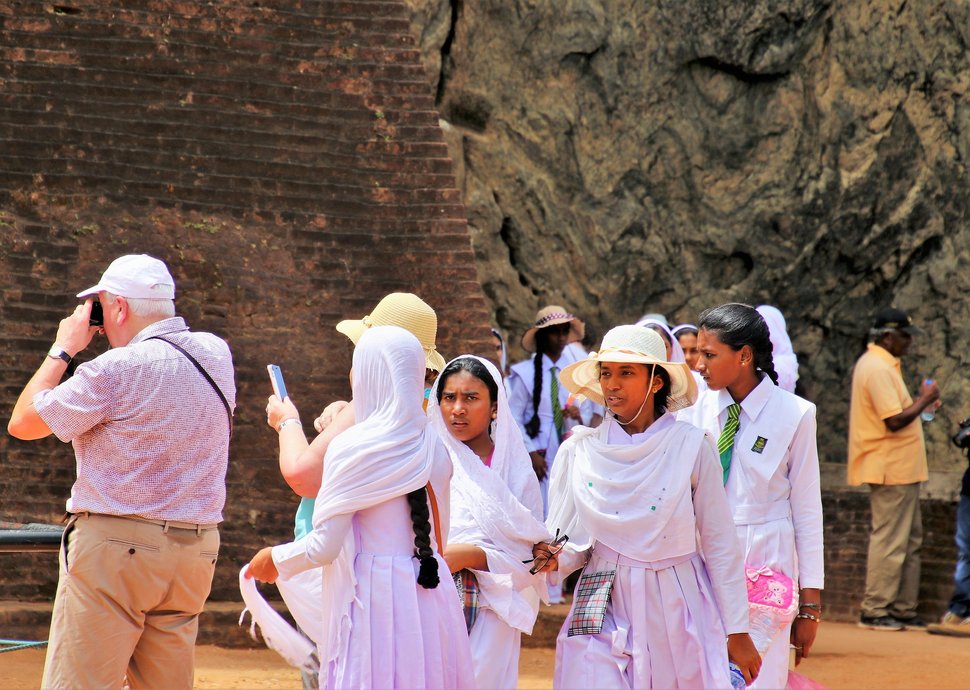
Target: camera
x,y
97,314
961,439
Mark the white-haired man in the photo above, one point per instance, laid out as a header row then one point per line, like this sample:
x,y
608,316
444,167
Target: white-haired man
x,y
150,421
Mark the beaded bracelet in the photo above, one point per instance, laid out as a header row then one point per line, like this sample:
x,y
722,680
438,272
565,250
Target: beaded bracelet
x,y
809,616
287,422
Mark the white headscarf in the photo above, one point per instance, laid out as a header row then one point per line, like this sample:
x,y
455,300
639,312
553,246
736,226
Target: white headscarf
x,y
782,353
497,508
676,351
388,453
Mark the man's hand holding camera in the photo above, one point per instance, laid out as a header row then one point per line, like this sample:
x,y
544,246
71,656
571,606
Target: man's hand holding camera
x,y
75,332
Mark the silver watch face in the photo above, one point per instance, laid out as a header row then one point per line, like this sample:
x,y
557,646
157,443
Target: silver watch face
x,y
58,353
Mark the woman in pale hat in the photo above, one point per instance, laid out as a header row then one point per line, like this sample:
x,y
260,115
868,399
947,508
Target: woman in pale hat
x,y
540,406
301,462
533,383
496,516
770,473
641,499
390,617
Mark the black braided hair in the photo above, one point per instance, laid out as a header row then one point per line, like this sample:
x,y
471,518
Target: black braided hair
x,y
737,325
532,427
428,574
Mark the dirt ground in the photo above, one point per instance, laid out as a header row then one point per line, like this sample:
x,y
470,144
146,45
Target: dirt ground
x,y
845,657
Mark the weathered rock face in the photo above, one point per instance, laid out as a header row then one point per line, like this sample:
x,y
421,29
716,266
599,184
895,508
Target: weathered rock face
x,y
669,156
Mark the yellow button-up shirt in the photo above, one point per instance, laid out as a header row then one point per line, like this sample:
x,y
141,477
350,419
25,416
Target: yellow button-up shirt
x,y
876,454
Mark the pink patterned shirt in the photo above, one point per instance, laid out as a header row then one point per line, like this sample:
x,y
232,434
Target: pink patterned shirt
x,y
150,434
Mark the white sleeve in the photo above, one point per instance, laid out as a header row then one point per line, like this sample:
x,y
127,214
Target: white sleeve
x,y
806,503
719,542
319,547
520,404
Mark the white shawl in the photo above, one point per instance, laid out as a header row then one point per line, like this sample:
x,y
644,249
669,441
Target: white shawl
x,y
635,499
499,509
387,453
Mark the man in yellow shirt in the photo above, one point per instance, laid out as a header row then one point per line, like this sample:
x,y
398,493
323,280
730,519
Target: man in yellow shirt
x,y
887,452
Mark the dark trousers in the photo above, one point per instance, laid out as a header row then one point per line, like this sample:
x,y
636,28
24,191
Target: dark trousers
x,y
960,602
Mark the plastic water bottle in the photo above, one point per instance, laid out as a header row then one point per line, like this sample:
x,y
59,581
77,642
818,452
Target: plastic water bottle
x,y
929,413
737,678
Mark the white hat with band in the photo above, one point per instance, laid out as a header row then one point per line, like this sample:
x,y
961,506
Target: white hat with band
x,y
637,345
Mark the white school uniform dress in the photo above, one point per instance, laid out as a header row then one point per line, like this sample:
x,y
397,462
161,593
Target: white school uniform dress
x,y
520,385
645,506
380,628
497,508
774,492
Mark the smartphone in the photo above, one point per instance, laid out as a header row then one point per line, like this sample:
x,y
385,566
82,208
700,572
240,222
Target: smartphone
x,y
97,314
276,378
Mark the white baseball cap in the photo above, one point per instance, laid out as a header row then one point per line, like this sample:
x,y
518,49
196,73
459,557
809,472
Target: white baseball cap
x,y
136,276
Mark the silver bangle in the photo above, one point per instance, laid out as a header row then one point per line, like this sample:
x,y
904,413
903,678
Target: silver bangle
x,y
287,422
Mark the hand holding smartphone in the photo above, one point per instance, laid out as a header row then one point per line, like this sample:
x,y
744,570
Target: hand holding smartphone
x,y
276,378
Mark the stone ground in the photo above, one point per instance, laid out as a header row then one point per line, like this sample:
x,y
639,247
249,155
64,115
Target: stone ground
x,y
845,657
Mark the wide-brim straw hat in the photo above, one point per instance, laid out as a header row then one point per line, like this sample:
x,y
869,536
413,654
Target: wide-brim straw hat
x,y
406,311
630,344
551,316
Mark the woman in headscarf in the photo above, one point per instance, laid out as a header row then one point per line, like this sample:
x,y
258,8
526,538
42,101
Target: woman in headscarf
x,y
675,353
388,621
641,500
496,516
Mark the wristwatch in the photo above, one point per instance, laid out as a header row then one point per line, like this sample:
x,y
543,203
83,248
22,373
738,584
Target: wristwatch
x,y
58,352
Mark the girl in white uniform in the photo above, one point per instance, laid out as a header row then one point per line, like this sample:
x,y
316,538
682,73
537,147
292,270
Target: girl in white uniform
x,y
640,498
496,516
771,472
391,618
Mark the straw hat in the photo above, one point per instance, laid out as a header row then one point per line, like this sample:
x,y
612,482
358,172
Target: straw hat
x,y
631,344
550,316
406,311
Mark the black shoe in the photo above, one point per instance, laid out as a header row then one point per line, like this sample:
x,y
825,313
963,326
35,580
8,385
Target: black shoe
x,y
880,623
914,623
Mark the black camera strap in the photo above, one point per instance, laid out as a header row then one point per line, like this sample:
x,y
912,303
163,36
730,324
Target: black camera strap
x,y
215,386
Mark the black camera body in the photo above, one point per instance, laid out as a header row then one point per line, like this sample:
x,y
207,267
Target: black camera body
x,y
961,439
97,314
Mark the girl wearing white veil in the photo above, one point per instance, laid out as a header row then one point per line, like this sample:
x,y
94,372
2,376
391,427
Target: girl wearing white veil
x,y
386,620
496,516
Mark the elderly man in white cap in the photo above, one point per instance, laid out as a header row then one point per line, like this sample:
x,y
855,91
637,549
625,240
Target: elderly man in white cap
x,y
150,421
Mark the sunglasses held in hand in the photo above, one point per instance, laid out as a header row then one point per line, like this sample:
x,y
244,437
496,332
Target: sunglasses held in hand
x,y
539,562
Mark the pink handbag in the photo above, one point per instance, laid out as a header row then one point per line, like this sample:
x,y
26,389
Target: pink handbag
x,y
772,604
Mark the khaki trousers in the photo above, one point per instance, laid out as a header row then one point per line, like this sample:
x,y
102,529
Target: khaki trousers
x,y
893,569
128,602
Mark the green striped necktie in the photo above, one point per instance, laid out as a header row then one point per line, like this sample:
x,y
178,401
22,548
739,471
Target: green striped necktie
x,y
725,442
557,418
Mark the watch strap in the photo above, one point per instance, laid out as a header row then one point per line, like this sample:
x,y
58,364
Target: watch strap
x,y
59,353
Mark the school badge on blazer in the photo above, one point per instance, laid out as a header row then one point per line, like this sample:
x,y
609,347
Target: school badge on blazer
x,y
759,445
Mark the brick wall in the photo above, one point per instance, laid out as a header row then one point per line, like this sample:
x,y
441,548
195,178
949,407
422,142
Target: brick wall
x,y
847,540
283,157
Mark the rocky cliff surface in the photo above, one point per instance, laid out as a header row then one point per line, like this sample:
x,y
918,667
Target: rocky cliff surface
x,y
624,157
